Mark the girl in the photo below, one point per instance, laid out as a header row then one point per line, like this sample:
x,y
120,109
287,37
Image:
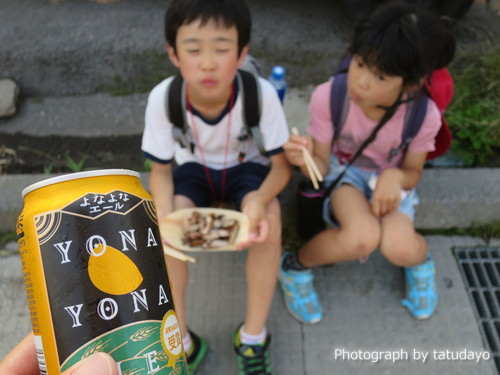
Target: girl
x,y
393,51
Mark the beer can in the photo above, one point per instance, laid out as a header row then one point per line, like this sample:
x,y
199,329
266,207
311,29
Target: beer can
x,y
95,274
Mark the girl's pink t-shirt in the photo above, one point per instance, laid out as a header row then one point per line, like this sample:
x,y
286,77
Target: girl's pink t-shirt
x,y
357,127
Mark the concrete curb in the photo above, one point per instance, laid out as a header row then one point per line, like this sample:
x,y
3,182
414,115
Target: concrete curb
x,y
449,197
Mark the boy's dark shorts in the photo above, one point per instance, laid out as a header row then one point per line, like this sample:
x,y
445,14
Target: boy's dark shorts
x,y
190,180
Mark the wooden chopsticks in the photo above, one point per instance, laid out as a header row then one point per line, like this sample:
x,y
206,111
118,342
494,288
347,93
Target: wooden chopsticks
x,y
178,254
312,168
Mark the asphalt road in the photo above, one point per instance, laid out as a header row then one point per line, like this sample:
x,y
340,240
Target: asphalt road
x,y
82,47
79,47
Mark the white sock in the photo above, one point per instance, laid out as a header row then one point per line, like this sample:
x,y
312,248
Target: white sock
x,y
248,339
187,342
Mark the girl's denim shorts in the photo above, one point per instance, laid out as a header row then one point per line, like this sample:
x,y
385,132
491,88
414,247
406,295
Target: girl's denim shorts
x,y
360,180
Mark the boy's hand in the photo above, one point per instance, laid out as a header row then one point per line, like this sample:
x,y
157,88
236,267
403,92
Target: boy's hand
x,y
293,149
258,225
387,193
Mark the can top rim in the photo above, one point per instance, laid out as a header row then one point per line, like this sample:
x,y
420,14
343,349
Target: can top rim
x,y
78,175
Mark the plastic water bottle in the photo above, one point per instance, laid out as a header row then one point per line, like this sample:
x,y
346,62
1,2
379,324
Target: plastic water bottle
x,y
277,79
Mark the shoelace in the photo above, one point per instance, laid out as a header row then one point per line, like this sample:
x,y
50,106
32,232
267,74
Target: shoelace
x,y
422,283
304,289
255,365
421,286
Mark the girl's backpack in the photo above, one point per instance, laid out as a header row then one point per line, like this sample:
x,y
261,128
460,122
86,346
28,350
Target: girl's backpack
x,y
438,87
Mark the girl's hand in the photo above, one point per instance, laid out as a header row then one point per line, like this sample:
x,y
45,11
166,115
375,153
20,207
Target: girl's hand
x,y
258,225
387,193
293,149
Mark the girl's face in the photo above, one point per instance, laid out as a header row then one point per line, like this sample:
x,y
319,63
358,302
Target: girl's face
x,y
207,57
369,88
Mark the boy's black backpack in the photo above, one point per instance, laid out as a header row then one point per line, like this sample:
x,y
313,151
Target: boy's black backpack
x,y
247,76
438,87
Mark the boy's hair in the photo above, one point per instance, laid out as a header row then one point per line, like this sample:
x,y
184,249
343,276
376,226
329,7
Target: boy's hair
x,y
404,40
224,12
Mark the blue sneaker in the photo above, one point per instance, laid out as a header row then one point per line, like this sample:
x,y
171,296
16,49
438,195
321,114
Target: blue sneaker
x,y
421,294
301,299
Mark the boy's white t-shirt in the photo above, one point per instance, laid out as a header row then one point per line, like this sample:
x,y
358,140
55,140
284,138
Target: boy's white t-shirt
x,y
158,142
358,127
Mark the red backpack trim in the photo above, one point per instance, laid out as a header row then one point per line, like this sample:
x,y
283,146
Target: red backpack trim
x,y
439,87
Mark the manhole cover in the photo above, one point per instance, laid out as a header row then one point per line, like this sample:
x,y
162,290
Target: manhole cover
x,y
480,268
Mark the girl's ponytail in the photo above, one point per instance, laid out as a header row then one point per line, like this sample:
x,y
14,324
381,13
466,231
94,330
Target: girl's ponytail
x,y
447,40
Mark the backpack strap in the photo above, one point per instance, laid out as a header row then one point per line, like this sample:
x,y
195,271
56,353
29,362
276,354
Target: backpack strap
x,y
338,96
439,88
415,115
414,118
339,105
175,108
252,101
339,102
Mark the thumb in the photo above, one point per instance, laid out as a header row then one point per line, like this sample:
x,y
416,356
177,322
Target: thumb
x,y
263,230
375,208
253,228
96,364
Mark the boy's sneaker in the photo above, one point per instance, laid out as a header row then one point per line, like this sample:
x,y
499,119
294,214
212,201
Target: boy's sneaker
x,y
252,359
421,294
198,352
301,299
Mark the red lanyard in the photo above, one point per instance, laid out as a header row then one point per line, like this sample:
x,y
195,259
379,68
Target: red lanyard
x,y
202,154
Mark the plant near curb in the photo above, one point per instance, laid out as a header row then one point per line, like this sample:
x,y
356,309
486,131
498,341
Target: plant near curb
x,y
473,115
7,156
485,231
148,164
73,165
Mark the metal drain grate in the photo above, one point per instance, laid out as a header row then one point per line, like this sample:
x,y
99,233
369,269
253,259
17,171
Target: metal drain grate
x,y
480,268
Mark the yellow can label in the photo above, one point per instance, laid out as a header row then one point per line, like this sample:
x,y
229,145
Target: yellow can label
x,y
100,284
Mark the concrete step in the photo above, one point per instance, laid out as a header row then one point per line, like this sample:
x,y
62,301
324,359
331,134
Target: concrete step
x,y
448,197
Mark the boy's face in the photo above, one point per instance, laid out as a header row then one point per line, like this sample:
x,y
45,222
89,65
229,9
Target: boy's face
x,y
207,57
369,88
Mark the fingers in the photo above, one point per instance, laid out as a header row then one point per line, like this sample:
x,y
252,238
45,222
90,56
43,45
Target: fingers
x,y
243,245
381,207
375,206
96,364
257,235
22,359
253,229
293,149
262,232
298,140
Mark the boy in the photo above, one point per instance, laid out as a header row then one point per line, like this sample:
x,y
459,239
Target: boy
x,y
208,40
